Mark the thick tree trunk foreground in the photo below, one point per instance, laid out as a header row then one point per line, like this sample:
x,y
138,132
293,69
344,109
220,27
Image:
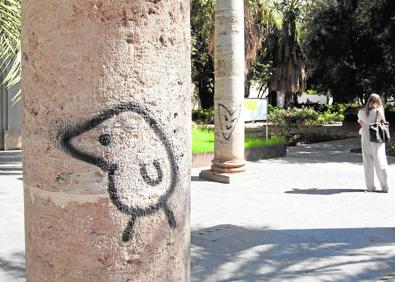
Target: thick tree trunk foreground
x,y
106,89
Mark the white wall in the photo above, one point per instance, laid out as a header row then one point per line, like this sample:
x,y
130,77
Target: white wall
x,y
312,98
10,119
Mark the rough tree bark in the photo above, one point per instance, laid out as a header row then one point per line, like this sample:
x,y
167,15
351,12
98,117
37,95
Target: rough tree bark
x,y
106,95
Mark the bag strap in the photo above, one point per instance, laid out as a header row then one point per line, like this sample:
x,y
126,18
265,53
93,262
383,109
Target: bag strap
x,y
377,117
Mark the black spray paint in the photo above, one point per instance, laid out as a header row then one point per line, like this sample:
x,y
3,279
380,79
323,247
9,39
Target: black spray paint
x,y
67,134
228,120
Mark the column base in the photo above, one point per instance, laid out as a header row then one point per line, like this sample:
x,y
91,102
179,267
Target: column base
x,y
228,167
228,170
226,178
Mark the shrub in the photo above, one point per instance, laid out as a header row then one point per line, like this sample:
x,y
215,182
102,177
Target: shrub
x,y
294,118
203,115
328,117
291,121
351,112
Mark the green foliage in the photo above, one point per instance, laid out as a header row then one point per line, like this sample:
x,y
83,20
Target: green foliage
x,y
328,117
289,71
202,27
377,18
351,112
261,70
349,47
268,21
333,113
271,108
389,108
203,115
311,92
294,118
334,108
292,122
10,41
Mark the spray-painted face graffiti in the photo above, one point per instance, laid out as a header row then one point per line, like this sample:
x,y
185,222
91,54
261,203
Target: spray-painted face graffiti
x,y
228,119
137,186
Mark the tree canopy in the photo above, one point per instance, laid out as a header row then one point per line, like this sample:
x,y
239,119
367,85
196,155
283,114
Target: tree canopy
x,y
272,47
349,45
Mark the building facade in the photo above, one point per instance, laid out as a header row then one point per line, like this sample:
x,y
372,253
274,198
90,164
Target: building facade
x,y
10,118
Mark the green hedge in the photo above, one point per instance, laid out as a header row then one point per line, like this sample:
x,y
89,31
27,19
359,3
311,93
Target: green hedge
x,y
295,118
203,116
310,116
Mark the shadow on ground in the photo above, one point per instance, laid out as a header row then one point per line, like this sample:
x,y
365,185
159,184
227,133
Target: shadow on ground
x,y
14,265
233,253
198,179
317,191
329,152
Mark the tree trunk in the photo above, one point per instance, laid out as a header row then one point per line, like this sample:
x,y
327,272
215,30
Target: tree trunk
x,y
229,86
288,100
106,94
295,99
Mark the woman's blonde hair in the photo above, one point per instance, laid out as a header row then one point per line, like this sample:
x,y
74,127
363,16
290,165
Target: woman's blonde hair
x,y
374,102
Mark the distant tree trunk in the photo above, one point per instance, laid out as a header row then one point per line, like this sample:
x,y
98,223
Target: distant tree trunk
x,y
295,99
289,75
247,89
273,98
288,100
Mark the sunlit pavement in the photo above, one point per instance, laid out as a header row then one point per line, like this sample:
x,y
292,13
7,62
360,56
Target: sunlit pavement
x,y
12,253
305,217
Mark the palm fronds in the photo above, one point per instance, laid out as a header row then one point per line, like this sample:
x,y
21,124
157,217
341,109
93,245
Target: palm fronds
x,y
10,42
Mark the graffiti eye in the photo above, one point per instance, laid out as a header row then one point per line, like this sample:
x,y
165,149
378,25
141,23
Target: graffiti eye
x,y
105,139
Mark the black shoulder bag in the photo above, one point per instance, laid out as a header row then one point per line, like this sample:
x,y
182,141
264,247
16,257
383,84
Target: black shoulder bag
x,y
379,131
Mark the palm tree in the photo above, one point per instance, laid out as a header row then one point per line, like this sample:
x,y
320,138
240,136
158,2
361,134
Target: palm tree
x,y
10,42
289,74
260,20
258,23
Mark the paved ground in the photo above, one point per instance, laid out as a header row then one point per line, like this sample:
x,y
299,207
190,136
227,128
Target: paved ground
x,y
12,260
301,218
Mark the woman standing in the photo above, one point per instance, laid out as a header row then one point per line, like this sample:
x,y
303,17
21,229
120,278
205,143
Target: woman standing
x,y
373,154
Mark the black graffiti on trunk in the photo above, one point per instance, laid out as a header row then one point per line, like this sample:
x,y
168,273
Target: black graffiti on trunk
x,y
228,120
66,135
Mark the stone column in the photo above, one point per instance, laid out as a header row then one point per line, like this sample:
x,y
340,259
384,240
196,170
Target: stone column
x,y
229,87
106,97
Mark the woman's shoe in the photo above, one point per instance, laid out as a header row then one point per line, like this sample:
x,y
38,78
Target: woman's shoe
x,y
385,189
